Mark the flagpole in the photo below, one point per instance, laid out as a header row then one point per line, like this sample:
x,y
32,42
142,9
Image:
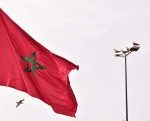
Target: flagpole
x,y
125,53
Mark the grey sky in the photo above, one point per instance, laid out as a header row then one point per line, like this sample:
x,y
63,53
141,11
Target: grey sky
x,y
85,32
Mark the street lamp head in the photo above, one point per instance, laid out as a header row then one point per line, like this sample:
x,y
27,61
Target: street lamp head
x,y
136,44
117,51
119,55
124,53
135,47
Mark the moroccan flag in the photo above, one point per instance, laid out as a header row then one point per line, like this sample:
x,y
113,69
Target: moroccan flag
x,y
28,66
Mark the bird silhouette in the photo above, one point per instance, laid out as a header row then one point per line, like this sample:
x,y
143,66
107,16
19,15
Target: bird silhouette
x,y
19,102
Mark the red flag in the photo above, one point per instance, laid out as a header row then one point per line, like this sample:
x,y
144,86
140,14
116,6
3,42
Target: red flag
x,y
28,66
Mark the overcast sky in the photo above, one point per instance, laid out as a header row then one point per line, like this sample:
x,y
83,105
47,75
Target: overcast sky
x,y
86,32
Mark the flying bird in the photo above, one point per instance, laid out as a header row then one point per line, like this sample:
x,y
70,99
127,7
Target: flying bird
x,y
19,102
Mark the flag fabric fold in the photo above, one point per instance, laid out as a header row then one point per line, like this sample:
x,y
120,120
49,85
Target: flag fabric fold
x,y
28,66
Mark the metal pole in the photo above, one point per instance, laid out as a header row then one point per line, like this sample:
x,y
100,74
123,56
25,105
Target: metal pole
x,y
126,88
125,53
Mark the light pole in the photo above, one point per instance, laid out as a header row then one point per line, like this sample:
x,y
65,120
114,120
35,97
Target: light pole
x,y
125,53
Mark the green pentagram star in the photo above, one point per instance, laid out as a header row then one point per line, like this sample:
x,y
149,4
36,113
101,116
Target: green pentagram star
x,y
33,65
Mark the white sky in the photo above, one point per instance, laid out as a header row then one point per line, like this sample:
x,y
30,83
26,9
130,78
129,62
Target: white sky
x,y
85,32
